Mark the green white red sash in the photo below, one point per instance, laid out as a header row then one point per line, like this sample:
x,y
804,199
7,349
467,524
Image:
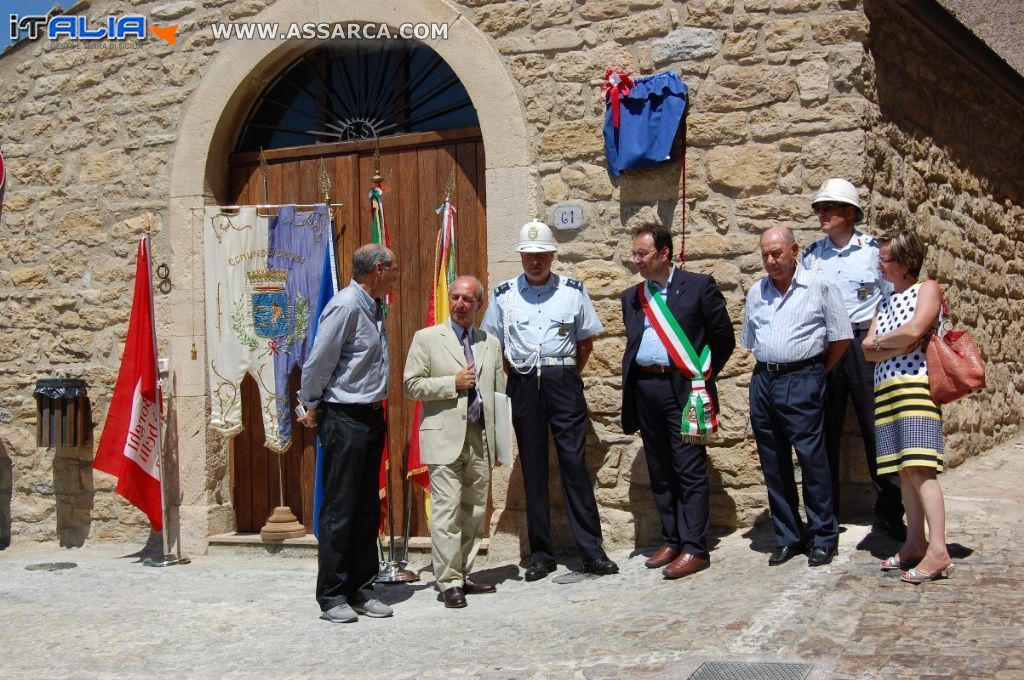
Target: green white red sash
x,y
700,420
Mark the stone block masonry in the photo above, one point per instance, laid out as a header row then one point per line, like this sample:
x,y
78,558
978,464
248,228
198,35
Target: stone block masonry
x,y
784,94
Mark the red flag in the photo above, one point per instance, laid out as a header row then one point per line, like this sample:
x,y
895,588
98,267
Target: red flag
x,y
129,448
383,475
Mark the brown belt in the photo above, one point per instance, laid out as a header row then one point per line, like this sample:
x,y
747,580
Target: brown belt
x,y
656,370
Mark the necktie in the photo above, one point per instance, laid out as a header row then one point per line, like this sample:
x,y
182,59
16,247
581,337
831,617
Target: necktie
x,y
474,410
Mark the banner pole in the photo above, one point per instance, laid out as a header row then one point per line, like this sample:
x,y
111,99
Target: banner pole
x,y
168,559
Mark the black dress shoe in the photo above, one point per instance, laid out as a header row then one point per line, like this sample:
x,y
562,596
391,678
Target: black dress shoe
x,y
474,588
454,598
600,566
784,553
820,555
539,570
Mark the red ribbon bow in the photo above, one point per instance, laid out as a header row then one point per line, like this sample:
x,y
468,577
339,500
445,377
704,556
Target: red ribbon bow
x,y
616,84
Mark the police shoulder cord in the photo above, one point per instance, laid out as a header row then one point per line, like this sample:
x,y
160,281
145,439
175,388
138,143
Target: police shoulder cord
x,y
514,345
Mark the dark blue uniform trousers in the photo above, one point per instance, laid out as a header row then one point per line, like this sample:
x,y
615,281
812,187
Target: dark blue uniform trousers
x,y
353,438
853,377
678,470
557,403
786,413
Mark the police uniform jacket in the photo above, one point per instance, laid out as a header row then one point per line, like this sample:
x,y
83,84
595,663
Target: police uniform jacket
x,y
553,317
698,305
853,270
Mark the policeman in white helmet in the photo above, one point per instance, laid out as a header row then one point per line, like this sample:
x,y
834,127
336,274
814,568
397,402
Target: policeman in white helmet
x,y
849,258
546,324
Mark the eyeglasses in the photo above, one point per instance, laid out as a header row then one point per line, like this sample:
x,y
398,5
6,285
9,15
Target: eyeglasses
x,y
641,255
825,207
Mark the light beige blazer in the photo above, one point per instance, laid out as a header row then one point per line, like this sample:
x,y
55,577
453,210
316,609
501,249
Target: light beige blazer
x,y
435,356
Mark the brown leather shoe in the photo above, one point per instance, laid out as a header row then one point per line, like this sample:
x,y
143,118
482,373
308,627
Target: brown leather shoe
x,y
474,588
662,556
684,565
454,598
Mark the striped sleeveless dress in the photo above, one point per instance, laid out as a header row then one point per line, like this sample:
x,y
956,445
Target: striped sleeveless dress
x,y
908,425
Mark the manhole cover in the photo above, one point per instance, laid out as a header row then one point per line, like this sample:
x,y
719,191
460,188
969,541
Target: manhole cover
x,y
736,670
51,566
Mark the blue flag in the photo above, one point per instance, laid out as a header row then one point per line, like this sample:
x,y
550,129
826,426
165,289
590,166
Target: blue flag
x,y
328,287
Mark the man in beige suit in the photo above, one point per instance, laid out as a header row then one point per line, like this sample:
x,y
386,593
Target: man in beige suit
x,y
455,368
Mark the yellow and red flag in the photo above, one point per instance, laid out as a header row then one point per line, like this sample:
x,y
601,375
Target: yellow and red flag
x,y
437,312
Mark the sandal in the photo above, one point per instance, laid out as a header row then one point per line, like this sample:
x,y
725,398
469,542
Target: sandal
x,y
893,563
915,576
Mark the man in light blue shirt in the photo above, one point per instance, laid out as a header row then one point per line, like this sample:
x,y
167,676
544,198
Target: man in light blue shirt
x,y
849,258
546,324
344,381
797,327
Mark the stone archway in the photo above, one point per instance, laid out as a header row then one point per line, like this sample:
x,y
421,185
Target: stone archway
x,y
198,176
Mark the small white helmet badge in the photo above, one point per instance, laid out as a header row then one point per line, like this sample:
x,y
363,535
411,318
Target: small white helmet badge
x,y
532,233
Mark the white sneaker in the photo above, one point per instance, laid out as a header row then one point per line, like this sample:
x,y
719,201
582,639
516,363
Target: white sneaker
x,y
340,613
373,608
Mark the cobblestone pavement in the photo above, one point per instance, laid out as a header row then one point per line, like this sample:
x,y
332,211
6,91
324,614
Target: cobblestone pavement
x,y
241,615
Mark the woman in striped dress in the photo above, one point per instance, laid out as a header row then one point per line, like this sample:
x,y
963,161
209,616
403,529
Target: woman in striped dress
x,y
908,425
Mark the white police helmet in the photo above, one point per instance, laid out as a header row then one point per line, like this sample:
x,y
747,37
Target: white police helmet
x,y
838,190
536,237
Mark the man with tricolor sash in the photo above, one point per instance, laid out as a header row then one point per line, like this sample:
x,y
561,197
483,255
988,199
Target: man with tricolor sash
x,y
678,338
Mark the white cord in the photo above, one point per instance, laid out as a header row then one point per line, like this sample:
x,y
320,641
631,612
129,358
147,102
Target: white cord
x,y
532,359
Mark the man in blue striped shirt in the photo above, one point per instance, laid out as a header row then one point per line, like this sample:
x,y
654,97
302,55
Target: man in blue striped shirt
x,y
798,328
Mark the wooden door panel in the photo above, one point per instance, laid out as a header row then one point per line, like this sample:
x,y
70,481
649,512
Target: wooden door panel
x,y
415,169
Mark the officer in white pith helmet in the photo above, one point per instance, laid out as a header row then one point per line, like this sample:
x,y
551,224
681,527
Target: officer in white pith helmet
x,y
849,258
546,324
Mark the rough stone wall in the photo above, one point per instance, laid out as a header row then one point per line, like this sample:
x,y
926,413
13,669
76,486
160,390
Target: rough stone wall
x,y
88,135
945,152
776,108
779,102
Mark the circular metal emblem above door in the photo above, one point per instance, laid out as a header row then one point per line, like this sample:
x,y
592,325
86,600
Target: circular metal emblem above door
x,y
360,89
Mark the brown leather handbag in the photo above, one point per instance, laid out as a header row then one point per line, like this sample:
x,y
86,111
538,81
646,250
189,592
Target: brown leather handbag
x,y
955,366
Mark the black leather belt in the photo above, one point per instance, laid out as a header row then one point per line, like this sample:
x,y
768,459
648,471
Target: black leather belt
x,y
773,367
371,406
656,369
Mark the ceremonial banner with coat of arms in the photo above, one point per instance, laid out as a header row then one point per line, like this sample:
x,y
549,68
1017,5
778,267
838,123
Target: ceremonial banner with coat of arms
x,y
261,272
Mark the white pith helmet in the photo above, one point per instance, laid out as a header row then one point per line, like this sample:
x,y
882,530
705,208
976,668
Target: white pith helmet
x,y
536,237
838,190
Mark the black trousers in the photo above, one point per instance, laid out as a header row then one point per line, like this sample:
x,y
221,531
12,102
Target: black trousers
x,y
853,378
352,438
678,470
556,403
786,413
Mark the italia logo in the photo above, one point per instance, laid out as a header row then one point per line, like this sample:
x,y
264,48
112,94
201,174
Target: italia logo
x,y
131,26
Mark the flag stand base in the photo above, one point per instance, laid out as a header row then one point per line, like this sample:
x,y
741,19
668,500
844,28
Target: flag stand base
x,y
165,561
395,572
282,524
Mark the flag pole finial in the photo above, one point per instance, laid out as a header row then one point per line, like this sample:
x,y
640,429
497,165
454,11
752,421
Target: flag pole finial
x,y
325,182
449,186
377,176
265,173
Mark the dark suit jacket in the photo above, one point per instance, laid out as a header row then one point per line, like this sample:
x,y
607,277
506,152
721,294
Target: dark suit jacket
x,y
699,307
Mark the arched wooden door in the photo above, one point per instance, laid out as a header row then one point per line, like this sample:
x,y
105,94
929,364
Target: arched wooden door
x,y
415,168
